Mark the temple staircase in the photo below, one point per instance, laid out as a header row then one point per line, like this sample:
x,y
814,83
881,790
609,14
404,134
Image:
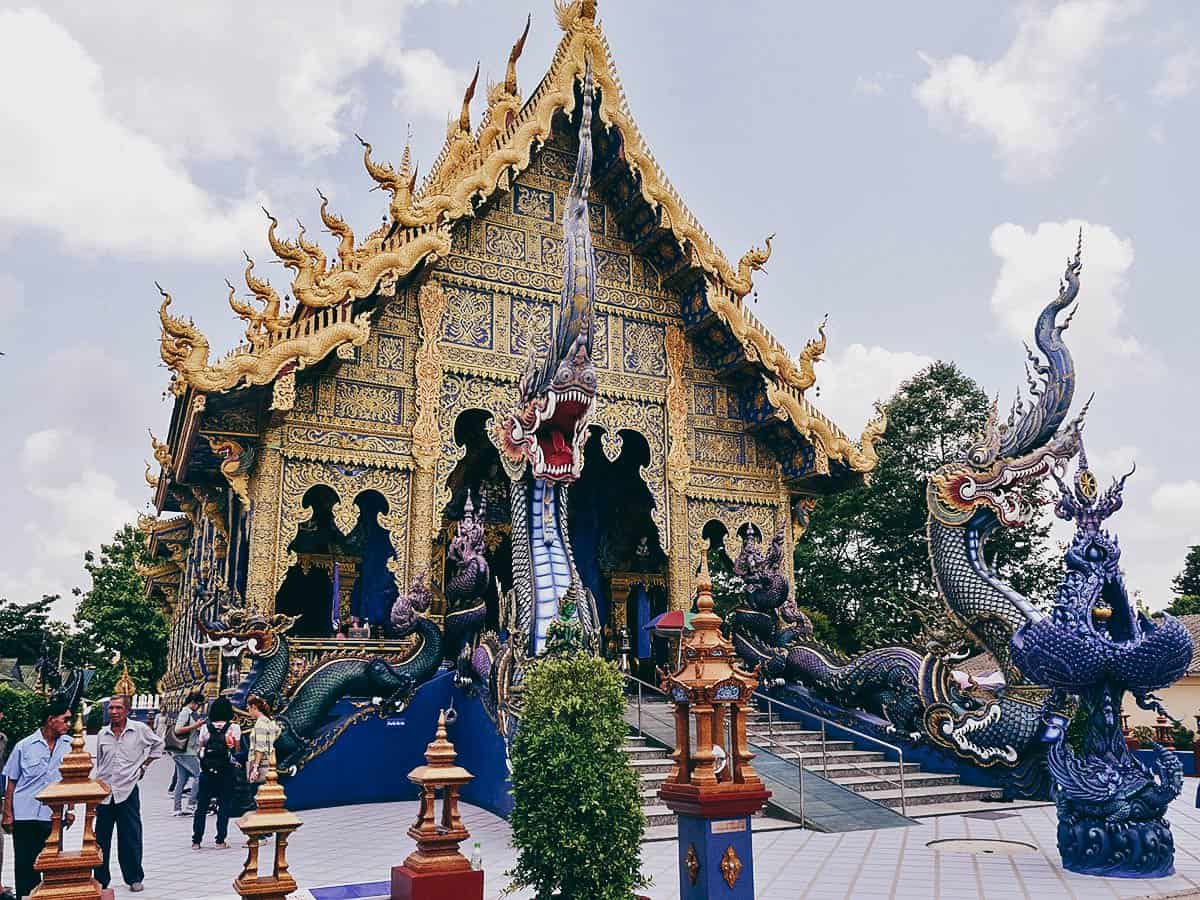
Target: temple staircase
x,y
867,772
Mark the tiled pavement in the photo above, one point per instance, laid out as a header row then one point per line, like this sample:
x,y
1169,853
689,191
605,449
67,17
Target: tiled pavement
x,y
358,844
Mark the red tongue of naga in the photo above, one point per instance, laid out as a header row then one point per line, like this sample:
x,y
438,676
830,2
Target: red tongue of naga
x,y
559,442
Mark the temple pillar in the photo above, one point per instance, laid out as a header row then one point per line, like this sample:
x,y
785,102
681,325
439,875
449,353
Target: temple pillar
x,y
427,440
265,512
679,473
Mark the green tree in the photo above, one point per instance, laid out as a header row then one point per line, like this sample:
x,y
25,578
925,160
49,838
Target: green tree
x,y
1187,605
24,628
1187,582
864,561
115,614
576,820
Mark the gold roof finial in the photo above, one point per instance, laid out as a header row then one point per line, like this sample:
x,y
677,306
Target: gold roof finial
x,y
704,595
464,117
124,686
510,77
810,356
337,226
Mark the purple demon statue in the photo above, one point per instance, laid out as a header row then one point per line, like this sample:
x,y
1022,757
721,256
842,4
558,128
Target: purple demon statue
x,y
1096,646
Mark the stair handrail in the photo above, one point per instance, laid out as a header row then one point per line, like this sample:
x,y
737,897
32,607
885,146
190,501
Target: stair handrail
x,y
824,751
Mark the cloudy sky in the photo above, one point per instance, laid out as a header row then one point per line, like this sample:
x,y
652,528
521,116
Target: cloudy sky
x,y
925,167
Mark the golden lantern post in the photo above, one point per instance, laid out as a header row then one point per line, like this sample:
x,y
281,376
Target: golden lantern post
x,y
712,787
68,875
270,817
436,870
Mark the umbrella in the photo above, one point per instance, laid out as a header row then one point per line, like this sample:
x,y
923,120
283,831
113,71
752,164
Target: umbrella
x,y
671,623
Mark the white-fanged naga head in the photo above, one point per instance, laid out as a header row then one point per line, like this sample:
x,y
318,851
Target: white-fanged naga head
x,y
240,631
558,392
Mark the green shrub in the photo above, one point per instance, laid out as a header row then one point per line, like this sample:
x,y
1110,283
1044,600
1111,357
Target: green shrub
x,y
94,720
1144,735
1181,737
22,713
577,822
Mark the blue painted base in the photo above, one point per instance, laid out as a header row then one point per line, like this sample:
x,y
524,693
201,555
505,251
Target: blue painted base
x,y
1093,846
370,761
710,850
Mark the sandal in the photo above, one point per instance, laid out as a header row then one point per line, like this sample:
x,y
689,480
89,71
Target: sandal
x,y
195,846
221,845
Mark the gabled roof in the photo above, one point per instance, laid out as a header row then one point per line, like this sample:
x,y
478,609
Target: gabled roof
x,y
472,167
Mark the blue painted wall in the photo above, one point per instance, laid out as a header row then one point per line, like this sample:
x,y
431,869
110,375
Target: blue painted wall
x,y
370,762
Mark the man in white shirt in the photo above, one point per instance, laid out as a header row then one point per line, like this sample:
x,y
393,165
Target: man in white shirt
x,y
124,750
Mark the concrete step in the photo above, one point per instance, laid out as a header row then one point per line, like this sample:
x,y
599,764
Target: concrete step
x,y
814,760
922,796
839,770
761,731
959,807
863,784
658,815
642,752
651,765
806,746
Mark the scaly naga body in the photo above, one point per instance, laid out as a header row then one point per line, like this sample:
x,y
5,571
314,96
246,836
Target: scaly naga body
x,y
303,713
1096,645
967,499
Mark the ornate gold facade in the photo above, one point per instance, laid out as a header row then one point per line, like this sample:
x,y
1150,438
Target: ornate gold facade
x,y
398,339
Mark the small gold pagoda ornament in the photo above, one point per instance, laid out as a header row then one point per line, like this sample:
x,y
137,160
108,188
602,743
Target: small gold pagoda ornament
x,y
436,869
270,817
712,787
124,686
68,875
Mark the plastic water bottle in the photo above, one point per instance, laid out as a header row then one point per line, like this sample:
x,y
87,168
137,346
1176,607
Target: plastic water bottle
x,y
476,858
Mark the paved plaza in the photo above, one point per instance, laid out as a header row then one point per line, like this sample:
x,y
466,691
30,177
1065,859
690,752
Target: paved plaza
x,y
357,845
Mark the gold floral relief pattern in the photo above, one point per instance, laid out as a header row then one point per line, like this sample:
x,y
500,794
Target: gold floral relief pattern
x,y
505,243
390,352
468,316
530,326
720,447
367,403
347,481
612,267
600,342
643,350
531,201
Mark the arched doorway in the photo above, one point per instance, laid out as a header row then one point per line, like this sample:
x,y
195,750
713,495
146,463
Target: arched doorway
x,y
308,588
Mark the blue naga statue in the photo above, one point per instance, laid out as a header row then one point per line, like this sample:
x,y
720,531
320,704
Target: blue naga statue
x,y
1096,646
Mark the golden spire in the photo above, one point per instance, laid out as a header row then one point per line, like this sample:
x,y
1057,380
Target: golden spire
x,y
510,77
124,686
337,226
464,117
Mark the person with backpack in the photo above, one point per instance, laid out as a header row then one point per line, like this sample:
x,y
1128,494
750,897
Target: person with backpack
x,y
183,742
219,739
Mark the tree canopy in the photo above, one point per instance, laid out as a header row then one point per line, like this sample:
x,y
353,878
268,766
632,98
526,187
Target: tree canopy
x,y
1187,582
116,615
864,561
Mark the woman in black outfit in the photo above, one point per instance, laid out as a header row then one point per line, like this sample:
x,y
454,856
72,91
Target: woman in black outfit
x,y
219,740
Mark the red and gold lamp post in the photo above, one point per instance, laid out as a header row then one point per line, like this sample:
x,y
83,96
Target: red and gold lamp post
x,y
712,787
436,870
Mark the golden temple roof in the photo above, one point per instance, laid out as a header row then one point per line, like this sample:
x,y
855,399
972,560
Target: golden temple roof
x,y
471,167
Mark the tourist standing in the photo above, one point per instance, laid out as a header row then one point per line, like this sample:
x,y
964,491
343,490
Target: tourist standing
x,y
187,761
218,738
262,741
124,750
31,768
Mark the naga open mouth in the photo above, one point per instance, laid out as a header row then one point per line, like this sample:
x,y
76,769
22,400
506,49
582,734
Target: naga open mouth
x,y
551,433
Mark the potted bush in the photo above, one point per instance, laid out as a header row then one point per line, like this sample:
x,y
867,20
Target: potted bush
x,y
576,822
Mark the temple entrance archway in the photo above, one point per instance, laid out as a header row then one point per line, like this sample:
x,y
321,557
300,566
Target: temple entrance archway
x,y
308,586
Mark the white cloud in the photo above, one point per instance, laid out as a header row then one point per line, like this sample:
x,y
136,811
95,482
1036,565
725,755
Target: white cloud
x,y
428,86
1036,98
1180,74
1116,461
870,85
1031,264
12,298
230,77
68,166
851,383
1177,503
81,506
